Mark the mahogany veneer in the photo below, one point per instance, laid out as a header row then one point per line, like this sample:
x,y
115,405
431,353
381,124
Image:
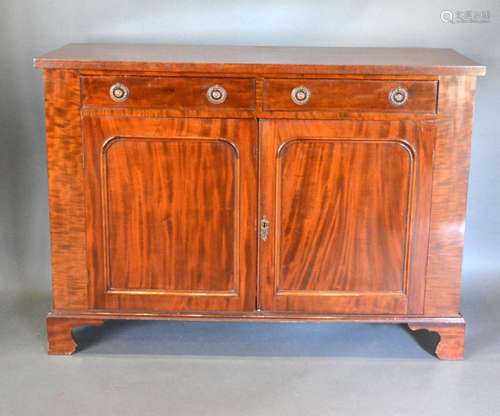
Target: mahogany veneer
x,y
251,183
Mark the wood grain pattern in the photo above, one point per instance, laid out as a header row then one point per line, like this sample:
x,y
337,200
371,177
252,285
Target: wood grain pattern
x,y
347,202
449,196
171,93
171,210
259,59
334,114
173,225
65,182
341,223
350,95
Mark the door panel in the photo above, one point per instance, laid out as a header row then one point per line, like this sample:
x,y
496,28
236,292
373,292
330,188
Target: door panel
x,y
342,214
173,207
173,204
348,206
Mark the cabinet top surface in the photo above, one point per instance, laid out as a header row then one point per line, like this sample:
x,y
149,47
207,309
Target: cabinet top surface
x,y
259,59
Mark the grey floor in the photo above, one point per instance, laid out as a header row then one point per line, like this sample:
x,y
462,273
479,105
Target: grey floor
x,y
182,368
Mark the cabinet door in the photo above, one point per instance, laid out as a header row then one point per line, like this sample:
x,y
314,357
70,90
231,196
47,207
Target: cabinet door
x,y
348,207
172,212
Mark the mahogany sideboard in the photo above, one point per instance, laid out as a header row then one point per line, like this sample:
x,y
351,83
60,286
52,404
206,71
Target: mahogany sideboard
x,y
257,183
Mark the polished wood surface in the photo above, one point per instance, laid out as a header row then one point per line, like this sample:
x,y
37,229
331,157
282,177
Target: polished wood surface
x,y
449,198
262,316
351,95
156,201
354,201
259,59
171,93
342,200
171,213
65,182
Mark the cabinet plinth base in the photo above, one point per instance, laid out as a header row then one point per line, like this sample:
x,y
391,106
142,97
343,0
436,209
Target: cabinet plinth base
x,y
59,333
451,339
450,329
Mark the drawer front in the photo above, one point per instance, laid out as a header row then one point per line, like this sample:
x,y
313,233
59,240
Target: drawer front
x,y
169,93
350,95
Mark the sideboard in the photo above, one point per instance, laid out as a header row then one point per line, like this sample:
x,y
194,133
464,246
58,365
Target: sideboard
x,y
257,183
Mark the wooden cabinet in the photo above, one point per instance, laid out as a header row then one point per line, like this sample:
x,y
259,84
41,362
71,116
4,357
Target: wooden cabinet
x,y
255,184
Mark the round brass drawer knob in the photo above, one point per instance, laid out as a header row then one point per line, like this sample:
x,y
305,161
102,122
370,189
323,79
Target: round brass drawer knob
x,y
119,92
216,94
301,95
398,97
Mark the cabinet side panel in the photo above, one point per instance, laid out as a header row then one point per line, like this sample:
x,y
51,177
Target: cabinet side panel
x,y
449,195
66,201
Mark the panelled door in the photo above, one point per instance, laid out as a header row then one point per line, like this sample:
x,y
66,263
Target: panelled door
x,y
344,208
172,211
